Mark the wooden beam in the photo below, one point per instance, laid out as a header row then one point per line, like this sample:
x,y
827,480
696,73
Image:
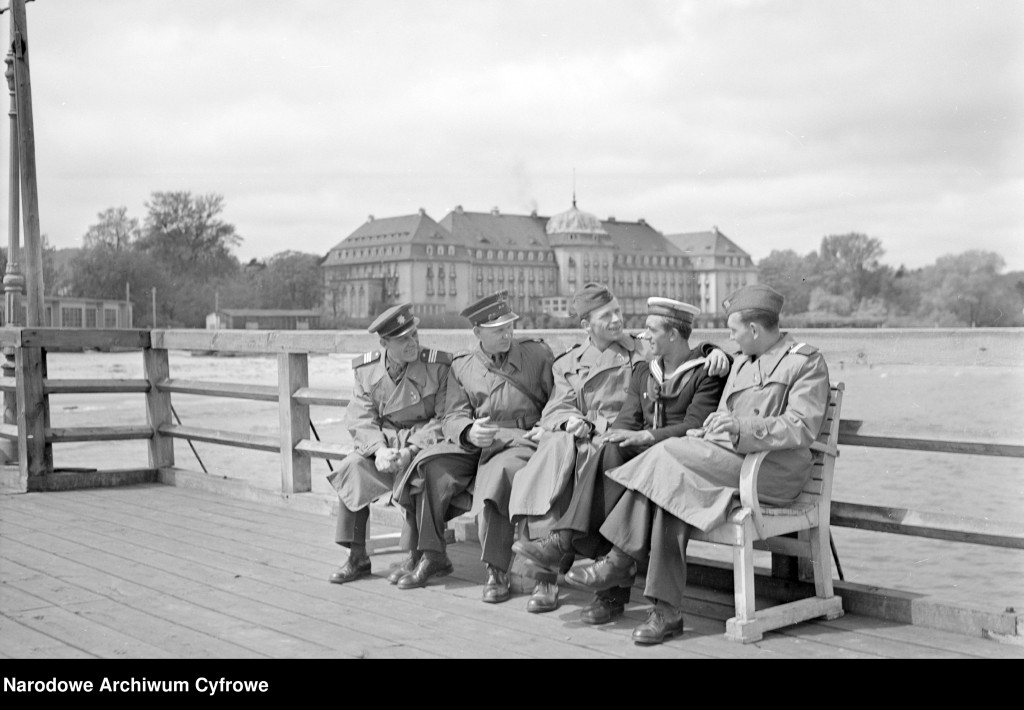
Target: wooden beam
x,y
94,386
33,413
323,450
261,393
221,436
158,407
262,341
79,338
850,435
292,375
324,397
931,525
98,433
65,481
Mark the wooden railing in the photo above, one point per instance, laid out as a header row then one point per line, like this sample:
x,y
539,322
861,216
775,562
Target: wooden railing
x,y
294,396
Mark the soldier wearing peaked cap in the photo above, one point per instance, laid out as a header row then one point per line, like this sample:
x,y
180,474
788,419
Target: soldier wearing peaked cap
x,y
495,397
590,384
664,397
395,411
775,400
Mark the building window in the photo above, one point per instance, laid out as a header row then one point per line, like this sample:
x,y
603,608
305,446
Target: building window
x,y
90,318
71,317
479,253
451,250
430,250
109,317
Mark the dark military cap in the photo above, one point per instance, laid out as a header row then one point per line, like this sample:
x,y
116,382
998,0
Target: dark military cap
x,y
590,297
755,296
395,321
675,310
490,311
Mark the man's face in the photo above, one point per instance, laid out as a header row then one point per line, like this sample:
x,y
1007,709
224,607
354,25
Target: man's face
x,y
495,340
659,335
743,334
605,323
404,348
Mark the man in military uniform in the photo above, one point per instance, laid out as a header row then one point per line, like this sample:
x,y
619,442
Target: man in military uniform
x,y
665,397
396,409
496,393
775,400
591,381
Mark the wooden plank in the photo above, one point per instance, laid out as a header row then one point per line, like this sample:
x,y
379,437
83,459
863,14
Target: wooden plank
x,y
324,450
79,338
938,526
323,396
221,436
67,481
9,431
94,386
98,433
20,641
10,337
261,341
8,384
156,366
293,374
33,413
262,393
850,435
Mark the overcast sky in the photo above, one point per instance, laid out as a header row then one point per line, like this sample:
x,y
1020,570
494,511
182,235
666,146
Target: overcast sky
x,y
779,122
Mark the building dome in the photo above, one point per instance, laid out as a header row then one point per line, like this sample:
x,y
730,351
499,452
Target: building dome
x,y
575,221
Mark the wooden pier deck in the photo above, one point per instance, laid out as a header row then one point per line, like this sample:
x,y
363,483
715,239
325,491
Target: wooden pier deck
x,y
155,571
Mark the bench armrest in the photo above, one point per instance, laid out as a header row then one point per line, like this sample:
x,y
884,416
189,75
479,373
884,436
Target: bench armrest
x,y
748,488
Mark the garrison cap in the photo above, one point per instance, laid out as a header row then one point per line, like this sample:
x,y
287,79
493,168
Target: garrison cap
x,y
674,310
490,311
395,321
590,297
756,296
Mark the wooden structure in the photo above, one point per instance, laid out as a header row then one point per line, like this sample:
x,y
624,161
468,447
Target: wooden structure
x,y
296,445
771,528
263,319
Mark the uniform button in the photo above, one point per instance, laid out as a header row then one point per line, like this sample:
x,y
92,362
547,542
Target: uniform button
x,y
757,411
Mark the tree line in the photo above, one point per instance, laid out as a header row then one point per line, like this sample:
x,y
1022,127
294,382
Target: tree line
x,y
183,248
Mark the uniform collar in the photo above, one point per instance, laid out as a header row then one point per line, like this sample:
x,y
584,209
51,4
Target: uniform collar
x,y
770,358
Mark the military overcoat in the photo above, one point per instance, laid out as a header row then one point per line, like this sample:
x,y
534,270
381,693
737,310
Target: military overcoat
x,y
780,400
383,412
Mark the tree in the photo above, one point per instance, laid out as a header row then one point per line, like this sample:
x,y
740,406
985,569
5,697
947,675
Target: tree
x,y
115,230
186,234
849,263
792,275
102,272
291,279
968,285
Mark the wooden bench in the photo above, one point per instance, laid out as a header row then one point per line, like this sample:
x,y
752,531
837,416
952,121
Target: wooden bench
x,y
764,527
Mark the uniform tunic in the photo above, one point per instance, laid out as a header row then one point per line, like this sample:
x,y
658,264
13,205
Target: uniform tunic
x,y
512,393
386,413
780,400
588,383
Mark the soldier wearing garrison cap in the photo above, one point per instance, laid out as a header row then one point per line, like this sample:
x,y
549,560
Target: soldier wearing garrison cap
x,y
396,409
591,380
664,397
774,400
496,393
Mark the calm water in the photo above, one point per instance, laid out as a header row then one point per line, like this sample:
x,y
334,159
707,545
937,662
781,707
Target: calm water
x,y
969,403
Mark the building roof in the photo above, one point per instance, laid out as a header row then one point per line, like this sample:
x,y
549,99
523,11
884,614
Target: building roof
x,y
574,221
708,243
493,230
388,231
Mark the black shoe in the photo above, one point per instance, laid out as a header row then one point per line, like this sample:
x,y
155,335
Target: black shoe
x,y
496,589
605,573
546,553
425,569
404,568
543,599
664,621
606,606
355,567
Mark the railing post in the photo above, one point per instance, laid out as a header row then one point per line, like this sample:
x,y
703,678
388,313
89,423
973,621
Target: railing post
x,y
292,374
33,414
158,407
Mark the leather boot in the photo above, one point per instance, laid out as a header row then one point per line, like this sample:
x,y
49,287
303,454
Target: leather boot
x,y
663,621
496,589
543,599
403,568
430,565
355,567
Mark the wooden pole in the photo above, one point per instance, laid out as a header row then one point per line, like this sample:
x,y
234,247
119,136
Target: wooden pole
x,y
154,308
27,160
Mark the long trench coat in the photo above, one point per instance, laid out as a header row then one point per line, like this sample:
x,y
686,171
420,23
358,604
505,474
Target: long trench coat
x,y
512,395
780,400
385,413
588,383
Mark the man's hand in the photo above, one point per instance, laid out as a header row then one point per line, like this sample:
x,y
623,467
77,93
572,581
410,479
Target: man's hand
x,y
579,427
623,437
384,458
717,363
696,433
534,434
482,432
720,422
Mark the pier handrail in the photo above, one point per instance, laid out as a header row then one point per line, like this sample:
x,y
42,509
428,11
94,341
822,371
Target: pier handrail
x,y
294,397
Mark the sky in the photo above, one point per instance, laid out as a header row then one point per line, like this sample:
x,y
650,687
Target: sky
x,y
777,121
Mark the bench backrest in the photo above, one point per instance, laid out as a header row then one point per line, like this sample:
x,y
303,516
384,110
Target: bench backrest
x,y
824,451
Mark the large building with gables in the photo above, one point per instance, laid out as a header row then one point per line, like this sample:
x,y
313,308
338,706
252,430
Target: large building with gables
x,y
442,266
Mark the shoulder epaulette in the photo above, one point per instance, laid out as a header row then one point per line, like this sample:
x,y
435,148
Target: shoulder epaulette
x,y
439,356
365,359
538,341
802,349
569,350
461,353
